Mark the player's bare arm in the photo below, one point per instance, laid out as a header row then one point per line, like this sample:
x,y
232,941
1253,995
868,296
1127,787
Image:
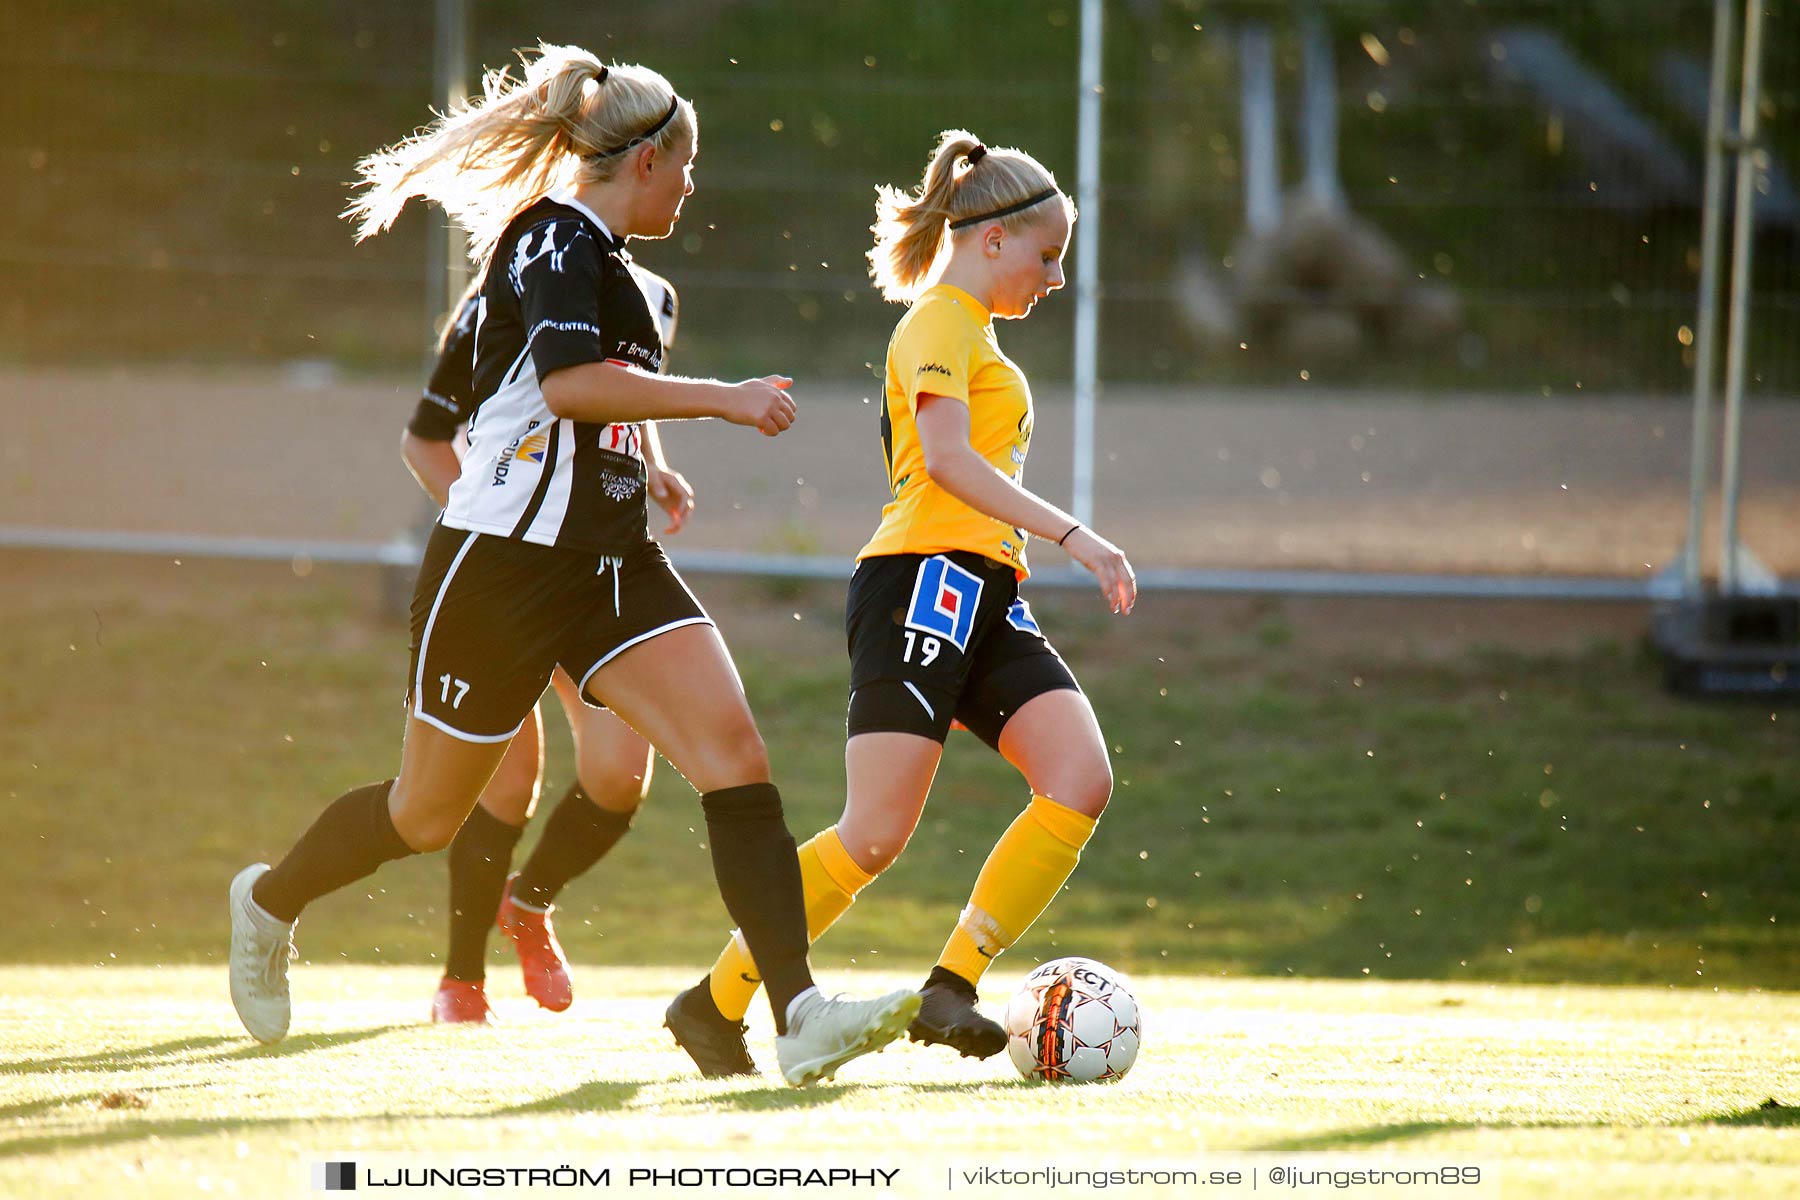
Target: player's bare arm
x,y
955,466
606,393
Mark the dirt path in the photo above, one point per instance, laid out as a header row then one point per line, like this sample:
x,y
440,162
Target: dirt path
x,y
1582,486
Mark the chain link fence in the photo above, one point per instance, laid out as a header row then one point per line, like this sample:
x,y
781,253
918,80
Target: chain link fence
x,y
1461,232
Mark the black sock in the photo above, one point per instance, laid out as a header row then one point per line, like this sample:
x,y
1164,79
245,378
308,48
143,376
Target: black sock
x,y
758,869
947,978
479,858
350,839
577,835
699,1002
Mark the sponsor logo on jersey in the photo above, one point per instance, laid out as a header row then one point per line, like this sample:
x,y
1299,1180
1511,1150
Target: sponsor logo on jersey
x,y
532,448
618,487
1020,618
931,368
635,354
540,243
944,600
513,450
622,439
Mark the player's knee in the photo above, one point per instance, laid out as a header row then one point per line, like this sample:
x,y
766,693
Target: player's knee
x,y
427,832
875,849
1085,787
879,855
740,754
615,788
511,795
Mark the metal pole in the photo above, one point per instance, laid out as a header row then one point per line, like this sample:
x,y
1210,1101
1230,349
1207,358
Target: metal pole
x,y
1087,257
1261,157
1318,110
1743,241
446,252
1706,320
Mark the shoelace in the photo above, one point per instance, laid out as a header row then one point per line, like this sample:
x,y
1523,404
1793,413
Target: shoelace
x,y
275,966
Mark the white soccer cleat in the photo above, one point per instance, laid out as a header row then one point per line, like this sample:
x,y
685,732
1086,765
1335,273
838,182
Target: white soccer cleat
x,y
825,1034
260,949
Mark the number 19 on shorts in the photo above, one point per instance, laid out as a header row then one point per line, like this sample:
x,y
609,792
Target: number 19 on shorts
x,y
927,646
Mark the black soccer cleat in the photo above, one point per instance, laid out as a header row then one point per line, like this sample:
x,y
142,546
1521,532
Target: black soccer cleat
x,y
948,1017
715,1043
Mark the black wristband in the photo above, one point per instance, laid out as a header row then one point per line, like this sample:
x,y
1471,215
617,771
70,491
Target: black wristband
x,y
1065,537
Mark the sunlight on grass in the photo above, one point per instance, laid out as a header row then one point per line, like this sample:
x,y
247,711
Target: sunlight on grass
x,y
142,1075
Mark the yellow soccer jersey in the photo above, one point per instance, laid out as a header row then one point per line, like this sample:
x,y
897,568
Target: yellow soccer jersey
x,y
945,346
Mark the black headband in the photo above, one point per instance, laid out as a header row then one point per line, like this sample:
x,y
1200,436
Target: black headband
x,y
674,107
1008,211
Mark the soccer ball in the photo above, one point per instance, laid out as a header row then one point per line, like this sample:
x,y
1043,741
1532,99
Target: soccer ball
x,y
1073,1020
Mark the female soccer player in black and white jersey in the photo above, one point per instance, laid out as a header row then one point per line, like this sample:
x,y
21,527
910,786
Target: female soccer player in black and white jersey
x,y
542,557
938,632
613,763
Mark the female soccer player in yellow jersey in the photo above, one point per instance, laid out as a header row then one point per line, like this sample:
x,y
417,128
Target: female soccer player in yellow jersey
x,y
937,630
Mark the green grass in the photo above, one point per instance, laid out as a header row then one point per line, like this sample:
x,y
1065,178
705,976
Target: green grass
x,y
1424,830
130,1080
1342,800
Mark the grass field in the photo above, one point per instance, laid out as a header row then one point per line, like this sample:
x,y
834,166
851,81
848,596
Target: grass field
x,y
1302,791
1356,856
117,1081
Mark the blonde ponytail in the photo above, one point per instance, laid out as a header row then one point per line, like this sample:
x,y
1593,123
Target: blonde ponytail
x,y
568,120
964,180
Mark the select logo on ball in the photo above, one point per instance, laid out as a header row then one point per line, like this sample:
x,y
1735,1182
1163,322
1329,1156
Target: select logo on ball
x,y
1073,1020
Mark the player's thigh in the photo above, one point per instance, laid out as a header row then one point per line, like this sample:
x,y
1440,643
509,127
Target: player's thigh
x,y
612,760
1055,741
887,778
681,692
441,776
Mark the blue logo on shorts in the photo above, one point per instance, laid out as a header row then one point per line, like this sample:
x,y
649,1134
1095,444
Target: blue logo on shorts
x,y
943,601
1019,617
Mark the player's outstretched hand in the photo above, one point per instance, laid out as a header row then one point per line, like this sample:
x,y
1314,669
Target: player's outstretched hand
x,y
672,493
1118,582
763,403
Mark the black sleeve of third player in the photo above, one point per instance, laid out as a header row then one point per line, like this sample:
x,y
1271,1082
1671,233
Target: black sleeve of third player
x,y
445,405
558,283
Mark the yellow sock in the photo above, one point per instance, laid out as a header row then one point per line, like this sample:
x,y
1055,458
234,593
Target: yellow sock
x,y
830,878
1028,865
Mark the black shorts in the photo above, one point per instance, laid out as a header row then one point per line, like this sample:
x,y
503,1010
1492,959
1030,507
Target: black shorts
x,y
492,617
941,637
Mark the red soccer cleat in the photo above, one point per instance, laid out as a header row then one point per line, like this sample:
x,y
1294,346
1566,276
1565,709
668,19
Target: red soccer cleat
x,y
459,1002
540,954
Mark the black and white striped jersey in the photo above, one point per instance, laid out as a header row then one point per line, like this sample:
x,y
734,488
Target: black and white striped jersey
x,y
449,395
559,292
